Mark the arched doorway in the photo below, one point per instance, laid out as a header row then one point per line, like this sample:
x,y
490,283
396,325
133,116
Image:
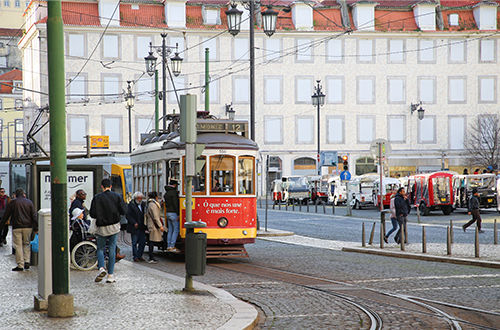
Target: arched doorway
x,y
304,166
365,165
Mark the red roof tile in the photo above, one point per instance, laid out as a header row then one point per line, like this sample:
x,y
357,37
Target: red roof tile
x,y
145,16
395,21
11,32
8,78
465,18
327,19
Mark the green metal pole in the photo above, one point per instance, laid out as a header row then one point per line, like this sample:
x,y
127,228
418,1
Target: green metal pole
x,y
58,174
157,110
207,80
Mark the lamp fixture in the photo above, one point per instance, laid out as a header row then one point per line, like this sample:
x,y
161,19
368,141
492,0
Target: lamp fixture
x,y
420,111
230,111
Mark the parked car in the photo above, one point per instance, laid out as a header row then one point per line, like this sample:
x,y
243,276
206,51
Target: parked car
x,y
361,189
389,186
432,191
318,187
486,184
295,189
336,190
277,192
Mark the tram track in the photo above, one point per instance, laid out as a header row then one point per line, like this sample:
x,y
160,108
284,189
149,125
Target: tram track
x,y
377,305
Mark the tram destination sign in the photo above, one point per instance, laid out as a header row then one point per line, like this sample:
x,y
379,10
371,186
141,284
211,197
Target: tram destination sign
x,y
222,126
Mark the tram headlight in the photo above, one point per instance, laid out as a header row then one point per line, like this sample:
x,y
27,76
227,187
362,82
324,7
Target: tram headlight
x,y
245,232
222,222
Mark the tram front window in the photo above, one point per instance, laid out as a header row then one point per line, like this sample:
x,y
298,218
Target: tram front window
x,y
222,174
245,175
127,175
199,179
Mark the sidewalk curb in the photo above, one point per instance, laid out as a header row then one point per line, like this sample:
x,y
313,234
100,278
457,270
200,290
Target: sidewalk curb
x,y
245,315
408,255
273,232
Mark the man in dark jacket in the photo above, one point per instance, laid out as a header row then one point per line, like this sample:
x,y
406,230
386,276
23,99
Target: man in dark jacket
x,y
171,200
23,219
135,225
402,206
77,203
4,200
474,210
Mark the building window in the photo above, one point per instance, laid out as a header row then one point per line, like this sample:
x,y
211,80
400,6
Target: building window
x,y
211,16
426,51
142,47
457,50
366,90
144,89
19,148
241,92
111,88
487,51
17,4
6,3
303,89
273,90
110,46
304,131
335,50
240,49
335,90
112,127
427,89
453,19
180,83
396,90
273,49
77,129
396,51
76,45
178,41
335,129
3,61
365,165
456,128
213,49
143,126
19,126
304,163
488,89
77,88
457,89
427,130
396,129
366,131
365,51
18,104
17,87
273,126
304,50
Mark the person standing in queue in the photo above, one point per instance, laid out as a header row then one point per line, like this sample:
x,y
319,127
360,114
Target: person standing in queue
x,y
402,206
24,221
135,225
4,200
474,210
106,208
154,224
171,199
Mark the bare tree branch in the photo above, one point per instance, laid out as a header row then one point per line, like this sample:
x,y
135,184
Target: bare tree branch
x,y
482,142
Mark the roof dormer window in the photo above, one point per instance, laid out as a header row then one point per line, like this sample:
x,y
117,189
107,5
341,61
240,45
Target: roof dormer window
x,y
363,15
211,15
453,19
302,16
485,15
425,15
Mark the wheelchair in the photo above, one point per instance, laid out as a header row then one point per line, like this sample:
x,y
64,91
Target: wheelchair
x,y
83,246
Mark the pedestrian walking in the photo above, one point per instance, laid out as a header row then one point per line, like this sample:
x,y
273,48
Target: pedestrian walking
x,y
171,200
394,220
106,208
135,225
154,223
24,221
402,207
474,210
4,200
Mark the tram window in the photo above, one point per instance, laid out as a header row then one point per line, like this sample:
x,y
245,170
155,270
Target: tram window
x,y
116,184
245,175
222,174
175,168
199,180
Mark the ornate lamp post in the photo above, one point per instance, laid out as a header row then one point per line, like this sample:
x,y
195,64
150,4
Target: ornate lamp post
x,y
318,100
129,98
269,18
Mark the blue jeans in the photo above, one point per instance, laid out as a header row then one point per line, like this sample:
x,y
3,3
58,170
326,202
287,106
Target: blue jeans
x,y
101,244
138,244
173,229
394,227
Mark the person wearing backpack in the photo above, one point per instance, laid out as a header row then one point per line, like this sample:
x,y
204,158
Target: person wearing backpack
x,y
106,208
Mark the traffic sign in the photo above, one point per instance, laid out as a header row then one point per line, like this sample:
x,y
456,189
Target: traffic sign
x,y
328,158
99,142
386,148
345,175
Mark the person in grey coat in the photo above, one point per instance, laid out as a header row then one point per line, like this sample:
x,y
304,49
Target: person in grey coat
x,y
135,225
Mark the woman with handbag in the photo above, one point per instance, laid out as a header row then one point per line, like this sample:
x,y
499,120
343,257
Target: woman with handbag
x,y
154,223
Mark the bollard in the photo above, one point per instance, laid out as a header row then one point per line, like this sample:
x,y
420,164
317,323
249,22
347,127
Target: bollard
x,y
286,207
324,208
424,241
316,205
382,234
274,204
448,240
363,235
333,208
402,238
300,206
476,243
307,202
279,206
451,231
293,207
495,237
372,234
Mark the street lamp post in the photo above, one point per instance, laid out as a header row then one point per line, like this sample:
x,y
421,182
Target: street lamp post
x,y
163,51
129,98
318,99
269,18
